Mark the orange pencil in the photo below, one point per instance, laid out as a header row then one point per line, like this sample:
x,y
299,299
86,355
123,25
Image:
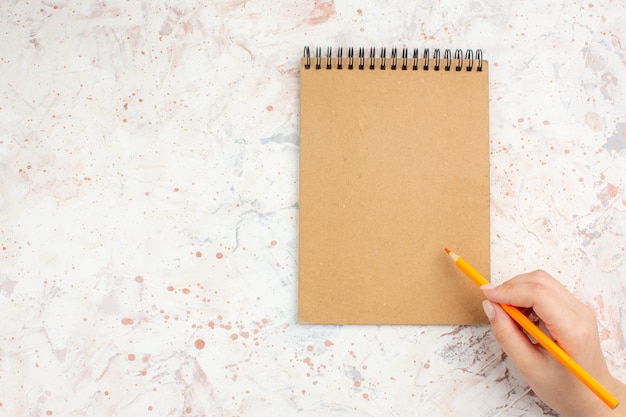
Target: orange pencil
x,y
540,336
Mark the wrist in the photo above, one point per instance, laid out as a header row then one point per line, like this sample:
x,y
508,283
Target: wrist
x,y
589,405
618,390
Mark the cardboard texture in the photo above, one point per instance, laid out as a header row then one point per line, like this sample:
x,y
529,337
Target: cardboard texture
x,y
394,166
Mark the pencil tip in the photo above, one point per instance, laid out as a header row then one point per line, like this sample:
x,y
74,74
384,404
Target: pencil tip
x,y
447,250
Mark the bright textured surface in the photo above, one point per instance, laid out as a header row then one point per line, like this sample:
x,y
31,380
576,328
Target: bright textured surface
x,y
149,204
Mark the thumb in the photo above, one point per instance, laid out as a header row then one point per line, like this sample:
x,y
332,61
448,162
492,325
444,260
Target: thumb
x,y
512,339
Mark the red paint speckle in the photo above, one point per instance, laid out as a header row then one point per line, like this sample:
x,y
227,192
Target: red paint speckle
x,y
199,344
188,410
270,108
366,395
199,254
273,243
186,290
360,12
546,122
139,279
127,321
170,288
328,343
611,190
131,357
309,348
219,255
234,336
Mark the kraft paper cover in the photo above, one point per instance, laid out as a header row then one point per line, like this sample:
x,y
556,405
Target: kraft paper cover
x,y
394,166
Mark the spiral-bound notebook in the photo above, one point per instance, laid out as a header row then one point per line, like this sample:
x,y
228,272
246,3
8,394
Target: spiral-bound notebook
x,y
394,166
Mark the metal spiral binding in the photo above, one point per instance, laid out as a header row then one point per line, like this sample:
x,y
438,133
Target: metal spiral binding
x,y
470,58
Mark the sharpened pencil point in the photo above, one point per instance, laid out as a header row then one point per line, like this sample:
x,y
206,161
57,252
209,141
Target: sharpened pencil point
x,y
447,250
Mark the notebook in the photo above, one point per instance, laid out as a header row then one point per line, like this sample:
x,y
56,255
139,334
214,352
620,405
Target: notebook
x,y
394,166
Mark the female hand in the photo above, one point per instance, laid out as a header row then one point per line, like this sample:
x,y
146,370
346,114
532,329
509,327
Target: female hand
x,y
572,325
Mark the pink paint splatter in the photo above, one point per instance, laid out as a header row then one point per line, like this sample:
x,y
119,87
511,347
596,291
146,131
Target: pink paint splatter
x,y
594,121
605,334
308,361
600,302
126,321
322,11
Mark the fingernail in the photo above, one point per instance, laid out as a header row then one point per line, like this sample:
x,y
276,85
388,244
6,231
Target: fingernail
x,y
487,286
490,310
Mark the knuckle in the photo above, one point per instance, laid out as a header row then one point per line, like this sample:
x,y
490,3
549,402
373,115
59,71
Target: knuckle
x,y
540,290
542,277
541,274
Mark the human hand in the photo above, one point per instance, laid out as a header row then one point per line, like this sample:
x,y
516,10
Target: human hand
x,y
571,324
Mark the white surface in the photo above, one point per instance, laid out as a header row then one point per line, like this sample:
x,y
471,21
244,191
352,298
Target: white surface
x,y
148,200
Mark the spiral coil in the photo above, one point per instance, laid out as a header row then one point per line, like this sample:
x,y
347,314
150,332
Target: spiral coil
x,y
401,61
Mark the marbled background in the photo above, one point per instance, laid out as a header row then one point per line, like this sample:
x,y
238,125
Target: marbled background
x,y
149,204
